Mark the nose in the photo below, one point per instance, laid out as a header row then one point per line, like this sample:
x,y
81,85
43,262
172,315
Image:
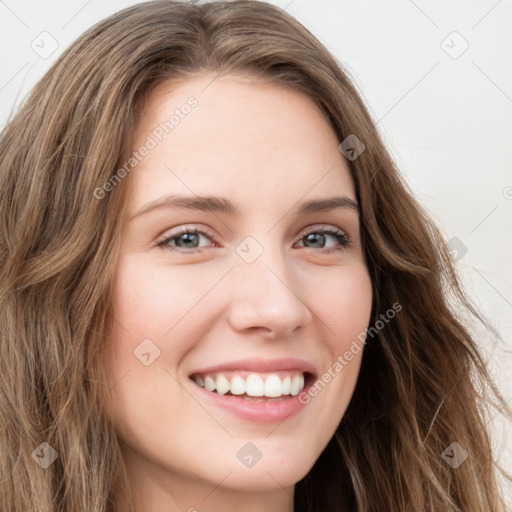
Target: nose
x,y
267,298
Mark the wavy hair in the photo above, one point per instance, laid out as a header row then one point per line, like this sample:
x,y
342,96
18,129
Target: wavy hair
x,y
423,382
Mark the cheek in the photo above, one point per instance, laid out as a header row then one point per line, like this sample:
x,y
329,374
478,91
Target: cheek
x,y
349,315
344,305
151,299
156,310
343,310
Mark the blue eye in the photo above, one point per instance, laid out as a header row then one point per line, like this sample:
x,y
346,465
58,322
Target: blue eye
x,y
186,240
319,236
187,237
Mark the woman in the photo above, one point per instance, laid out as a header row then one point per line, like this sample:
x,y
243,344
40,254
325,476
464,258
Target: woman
x,y
218,294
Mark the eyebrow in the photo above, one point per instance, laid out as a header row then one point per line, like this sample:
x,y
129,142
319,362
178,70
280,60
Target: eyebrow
x,y
222,205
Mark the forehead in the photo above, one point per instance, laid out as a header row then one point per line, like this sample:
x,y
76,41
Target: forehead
x,y
253,141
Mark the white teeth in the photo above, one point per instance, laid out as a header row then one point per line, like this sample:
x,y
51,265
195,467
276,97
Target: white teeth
x,y
237,385
209,383
286,386
297,385
222,384
273,386
254,385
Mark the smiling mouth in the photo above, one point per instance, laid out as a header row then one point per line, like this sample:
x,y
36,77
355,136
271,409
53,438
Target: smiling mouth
x,y
255,386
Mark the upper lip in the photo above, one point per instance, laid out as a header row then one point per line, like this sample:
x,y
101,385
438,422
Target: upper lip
x,y
261,365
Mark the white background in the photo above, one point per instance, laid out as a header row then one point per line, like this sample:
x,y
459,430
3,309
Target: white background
x,y
446,120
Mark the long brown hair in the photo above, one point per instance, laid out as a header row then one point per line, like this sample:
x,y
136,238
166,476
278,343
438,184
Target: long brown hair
x,y
423,384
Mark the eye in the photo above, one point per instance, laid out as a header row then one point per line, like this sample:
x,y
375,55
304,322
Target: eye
x,y
187,239
319,237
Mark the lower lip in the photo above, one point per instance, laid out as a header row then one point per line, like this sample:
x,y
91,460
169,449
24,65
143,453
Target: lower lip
x,y
257,412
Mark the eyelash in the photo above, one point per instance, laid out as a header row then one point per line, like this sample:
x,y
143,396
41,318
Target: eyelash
x,y
342,238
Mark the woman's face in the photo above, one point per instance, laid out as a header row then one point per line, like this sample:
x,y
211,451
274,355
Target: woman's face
x,y
257,298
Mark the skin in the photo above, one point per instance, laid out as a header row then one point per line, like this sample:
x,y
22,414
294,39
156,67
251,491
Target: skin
x,y
266,148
